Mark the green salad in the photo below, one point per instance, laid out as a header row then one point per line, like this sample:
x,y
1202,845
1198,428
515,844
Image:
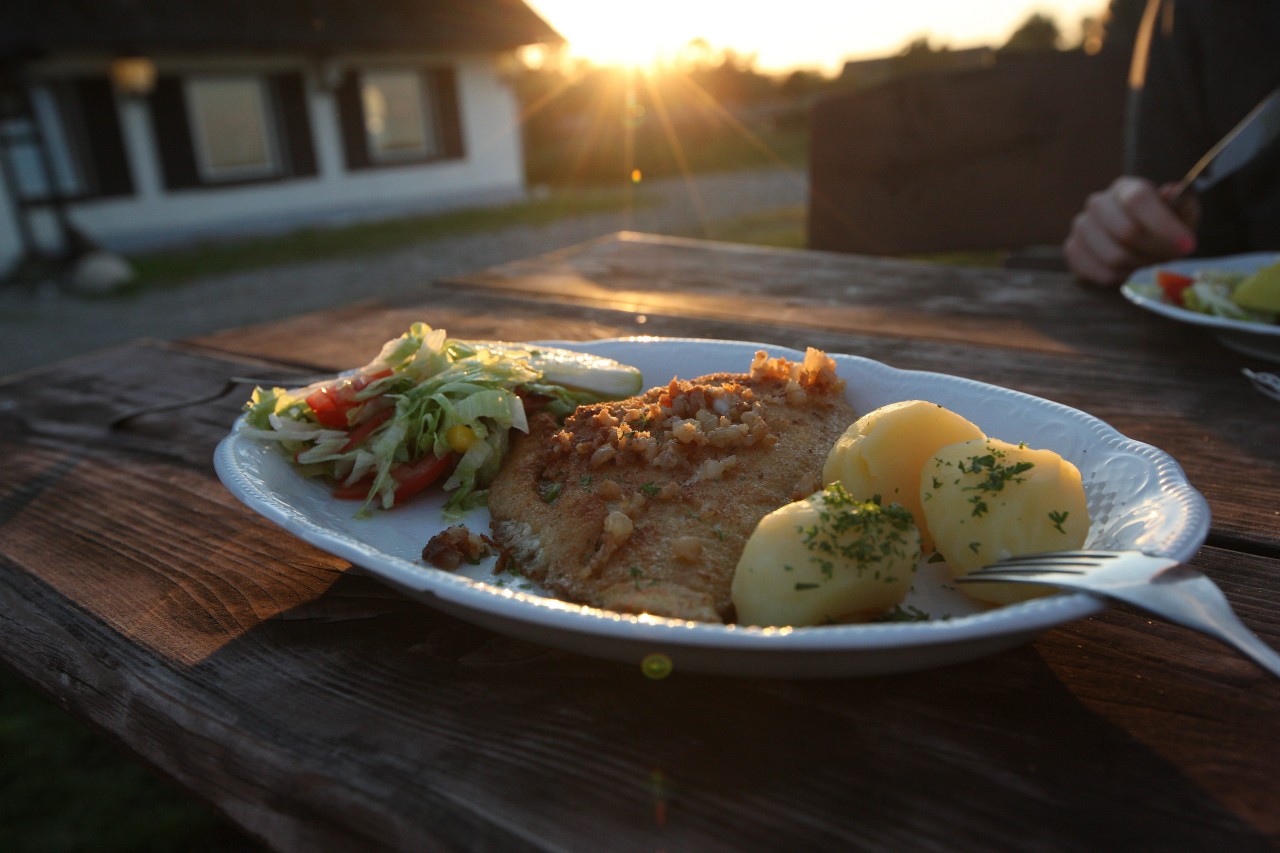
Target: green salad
x,y
1222,293
428,407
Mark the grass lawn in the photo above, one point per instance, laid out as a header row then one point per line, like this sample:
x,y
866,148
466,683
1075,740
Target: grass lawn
x,y
781,228
176,266
65,788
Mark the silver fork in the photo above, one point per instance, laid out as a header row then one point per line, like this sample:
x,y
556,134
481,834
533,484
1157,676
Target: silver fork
x,y
1158,585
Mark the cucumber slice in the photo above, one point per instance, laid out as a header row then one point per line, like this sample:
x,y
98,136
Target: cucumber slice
x,y
578,371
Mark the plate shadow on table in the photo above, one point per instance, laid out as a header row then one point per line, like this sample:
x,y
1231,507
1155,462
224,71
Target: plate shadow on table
x,y
422,706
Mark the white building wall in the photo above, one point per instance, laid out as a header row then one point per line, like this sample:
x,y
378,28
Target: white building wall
x,y
490,171
140,148
492,131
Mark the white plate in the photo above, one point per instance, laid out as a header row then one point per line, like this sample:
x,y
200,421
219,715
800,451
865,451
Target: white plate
x,y
1138,498
1260,340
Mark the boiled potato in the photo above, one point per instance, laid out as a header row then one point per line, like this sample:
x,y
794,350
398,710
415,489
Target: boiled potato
x,y
987,500
883,451
827,558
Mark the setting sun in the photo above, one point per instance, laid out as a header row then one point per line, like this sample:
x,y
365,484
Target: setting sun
x,y
621,33
812,34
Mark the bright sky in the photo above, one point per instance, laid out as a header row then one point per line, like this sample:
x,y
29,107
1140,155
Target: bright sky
x,y
818,35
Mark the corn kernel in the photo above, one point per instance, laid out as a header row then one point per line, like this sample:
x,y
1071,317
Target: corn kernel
x,y
460,437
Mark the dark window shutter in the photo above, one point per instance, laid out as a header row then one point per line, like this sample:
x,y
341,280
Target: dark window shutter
x,y
291,100
448,110
173,134
110,163
351,118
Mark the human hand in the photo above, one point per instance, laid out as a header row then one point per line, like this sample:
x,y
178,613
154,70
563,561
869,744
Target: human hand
x,y
1131,224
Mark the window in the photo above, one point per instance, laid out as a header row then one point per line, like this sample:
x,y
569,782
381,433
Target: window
x,y
232,128
217,130
399,121
58,117
66,143
399,116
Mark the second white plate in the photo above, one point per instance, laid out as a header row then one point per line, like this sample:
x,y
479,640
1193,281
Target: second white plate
x,y
1260,340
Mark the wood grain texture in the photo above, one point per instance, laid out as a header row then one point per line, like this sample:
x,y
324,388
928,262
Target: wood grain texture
x,y
827,291
318,709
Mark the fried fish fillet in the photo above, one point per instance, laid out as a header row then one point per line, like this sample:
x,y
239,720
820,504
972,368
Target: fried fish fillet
x,y
644,505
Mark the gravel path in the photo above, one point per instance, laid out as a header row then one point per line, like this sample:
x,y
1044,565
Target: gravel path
x,y
43,325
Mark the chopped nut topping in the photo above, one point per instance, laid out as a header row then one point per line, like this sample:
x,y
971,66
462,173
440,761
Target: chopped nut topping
x,y
816,373
691,426
618,526
714,469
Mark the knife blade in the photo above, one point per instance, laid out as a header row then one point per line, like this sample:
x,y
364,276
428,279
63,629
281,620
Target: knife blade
x,y
1240,145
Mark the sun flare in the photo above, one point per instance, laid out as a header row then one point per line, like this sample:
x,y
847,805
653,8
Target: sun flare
x,y
625,34
812,34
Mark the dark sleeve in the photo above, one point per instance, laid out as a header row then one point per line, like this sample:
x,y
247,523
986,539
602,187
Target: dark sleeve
x,y
1209,62
1167,126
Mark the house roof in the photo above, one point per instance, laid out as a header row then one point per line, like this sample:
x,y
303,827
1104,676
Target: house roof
x,y
33,28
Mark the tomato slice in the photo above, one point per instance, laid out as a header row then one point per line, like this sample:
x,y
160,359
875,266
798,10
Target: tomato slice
x,y
324,405
1173,284
333,403
357,491
411,478
360,433
416,476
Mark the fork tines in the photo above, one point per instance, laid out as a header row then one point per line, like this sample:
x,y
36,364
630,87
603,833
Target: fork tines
x,y
1066,562
1059,558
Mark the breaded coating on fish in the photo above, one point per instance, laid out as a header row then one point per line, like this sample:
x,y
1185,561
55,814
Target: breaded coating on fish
x,y
644,505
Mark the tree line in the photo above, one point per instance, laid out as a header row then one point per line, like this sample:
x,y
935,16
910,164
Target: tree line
x,y
708,106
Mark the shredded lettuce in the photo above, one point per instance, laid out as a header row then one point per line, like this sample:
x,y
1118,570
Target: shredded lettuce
x,y
1210,293
1213,297
421,388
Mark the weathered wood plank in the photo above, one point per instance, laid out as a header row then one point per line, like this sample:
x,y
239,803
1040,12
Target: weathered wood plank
x,y
407,753
827,291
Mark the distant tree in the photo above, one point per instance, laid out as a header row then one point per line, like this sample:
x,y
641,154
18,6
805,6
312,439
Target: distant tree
x,y
734,79
920,48
1115,30
696,53
800,83
1037,32
920,55
1120,25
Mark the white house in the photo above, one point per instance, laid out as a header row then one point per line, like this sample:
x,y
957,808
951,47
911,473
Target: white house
x,y
141,123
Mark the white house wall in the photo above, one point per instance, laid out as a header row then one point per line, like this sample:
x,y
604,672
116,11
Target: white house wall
x,y
490,170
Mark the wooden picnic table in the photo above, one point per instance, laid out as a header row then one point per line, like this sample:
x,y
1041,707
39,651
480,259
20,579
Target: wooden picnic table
x,y
318,709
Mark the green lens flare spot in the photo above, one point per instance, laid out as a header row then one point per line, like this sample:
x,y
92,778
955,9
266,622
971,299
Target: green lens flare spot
x,y
656,666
